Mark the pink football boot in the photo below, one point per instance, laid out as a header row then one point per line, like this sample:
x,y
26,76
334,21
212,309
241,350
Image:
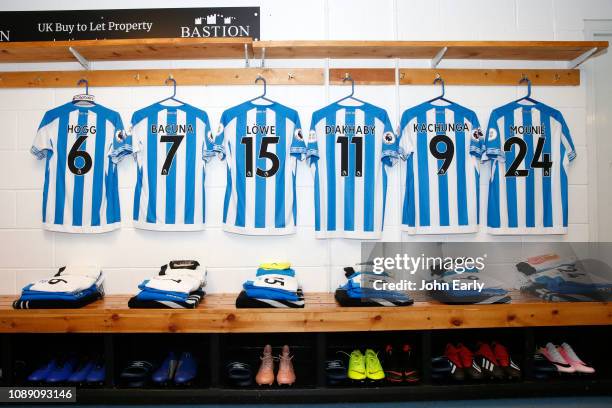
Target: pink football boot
x,y
553,355
570,356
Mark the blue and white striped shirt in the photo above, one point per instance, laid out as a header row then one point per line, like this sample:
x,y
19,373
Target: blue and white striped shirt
x,y
82,145
531,147
349,148
170,145
442,145
262,144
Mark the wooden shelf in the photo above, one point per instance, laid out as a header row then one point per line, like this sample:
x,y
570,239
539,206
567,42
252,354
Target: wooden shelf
x,y
217,314
206,48
487,50
125,50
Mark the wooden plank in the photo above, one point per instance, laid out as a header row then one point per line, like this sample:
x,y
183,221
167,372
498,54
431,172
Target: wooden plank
x,y
124,50
363,76
156,77
212,48
346,49
502,50
425,76
217,314
286,76
550,77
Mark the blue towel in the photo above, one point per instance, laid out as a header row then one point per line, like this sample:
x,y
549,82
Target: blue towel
x,y
162,296
286,272
28,294
144,288
268,293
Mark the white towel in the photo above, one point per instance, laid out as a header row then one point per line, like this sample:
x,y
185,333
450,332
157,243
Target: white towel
x,y
199,274
66,284
91,271
277,281
182,284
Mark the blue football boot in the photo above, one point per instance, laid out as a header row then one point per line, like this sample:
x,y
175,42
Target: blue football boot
x,y
187,369
42,372
80,374
63,370
97,375
165,373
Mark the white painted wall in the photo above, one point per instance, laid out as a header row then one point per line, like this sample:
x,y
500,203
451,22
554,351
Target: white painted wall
x,y
128,256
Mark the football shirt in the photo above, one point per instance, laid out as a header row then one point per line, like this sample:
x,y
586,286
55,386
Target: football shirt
x,y
442,146
171,145
349,148
531,147
81,145
261,145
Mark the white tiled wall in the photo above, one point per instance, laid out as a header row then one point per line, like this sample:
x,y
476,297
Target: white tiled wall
x,y
28,253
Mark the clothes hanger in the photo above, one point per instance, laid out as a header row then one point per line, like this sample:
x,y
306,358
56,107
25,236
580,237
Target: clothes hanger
x,y
265,87
348,77
86,97
441,96
528,96
173,96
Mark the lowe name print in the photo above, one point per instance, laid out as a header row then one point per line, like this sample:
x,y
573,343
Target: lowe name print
x,y
18,26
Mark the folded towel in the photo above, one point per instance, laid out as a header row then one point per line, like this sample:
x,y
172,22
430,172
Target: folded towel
x,y
268,293
275,266
36,295
170,296
92,271
198,274
69,279
276,281
285,272
191,302
173,283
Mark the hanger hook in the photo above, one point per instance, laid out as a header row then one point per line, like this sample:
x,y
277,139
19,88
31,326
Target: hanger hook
x,y
525,78
173,81
265,84
439,79
348,77
86,82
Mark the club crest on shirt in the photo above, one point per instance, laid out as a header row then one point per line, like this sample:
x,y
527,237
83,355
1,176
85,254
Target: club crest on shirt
x,y
312,136
492,134
298,135
477,134
220,128
120,135
389,138
210,136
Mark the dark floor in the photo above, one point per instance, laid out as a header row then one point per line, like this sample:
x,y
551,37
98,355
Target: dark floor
x,y
582,402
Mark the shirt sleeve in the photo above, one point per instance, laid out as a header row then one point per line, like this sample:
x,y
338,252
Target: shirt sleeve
x,y
390,149
42,147
122,141
566,139
406,143
477,145
208,148
312,146
217,147
298,145
492,148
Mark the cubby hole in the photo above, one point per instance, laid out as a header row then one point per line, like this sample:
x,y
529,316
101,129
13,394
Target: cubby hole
x,y
248,348
512,339
154,348
590,343
340,345
28,355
